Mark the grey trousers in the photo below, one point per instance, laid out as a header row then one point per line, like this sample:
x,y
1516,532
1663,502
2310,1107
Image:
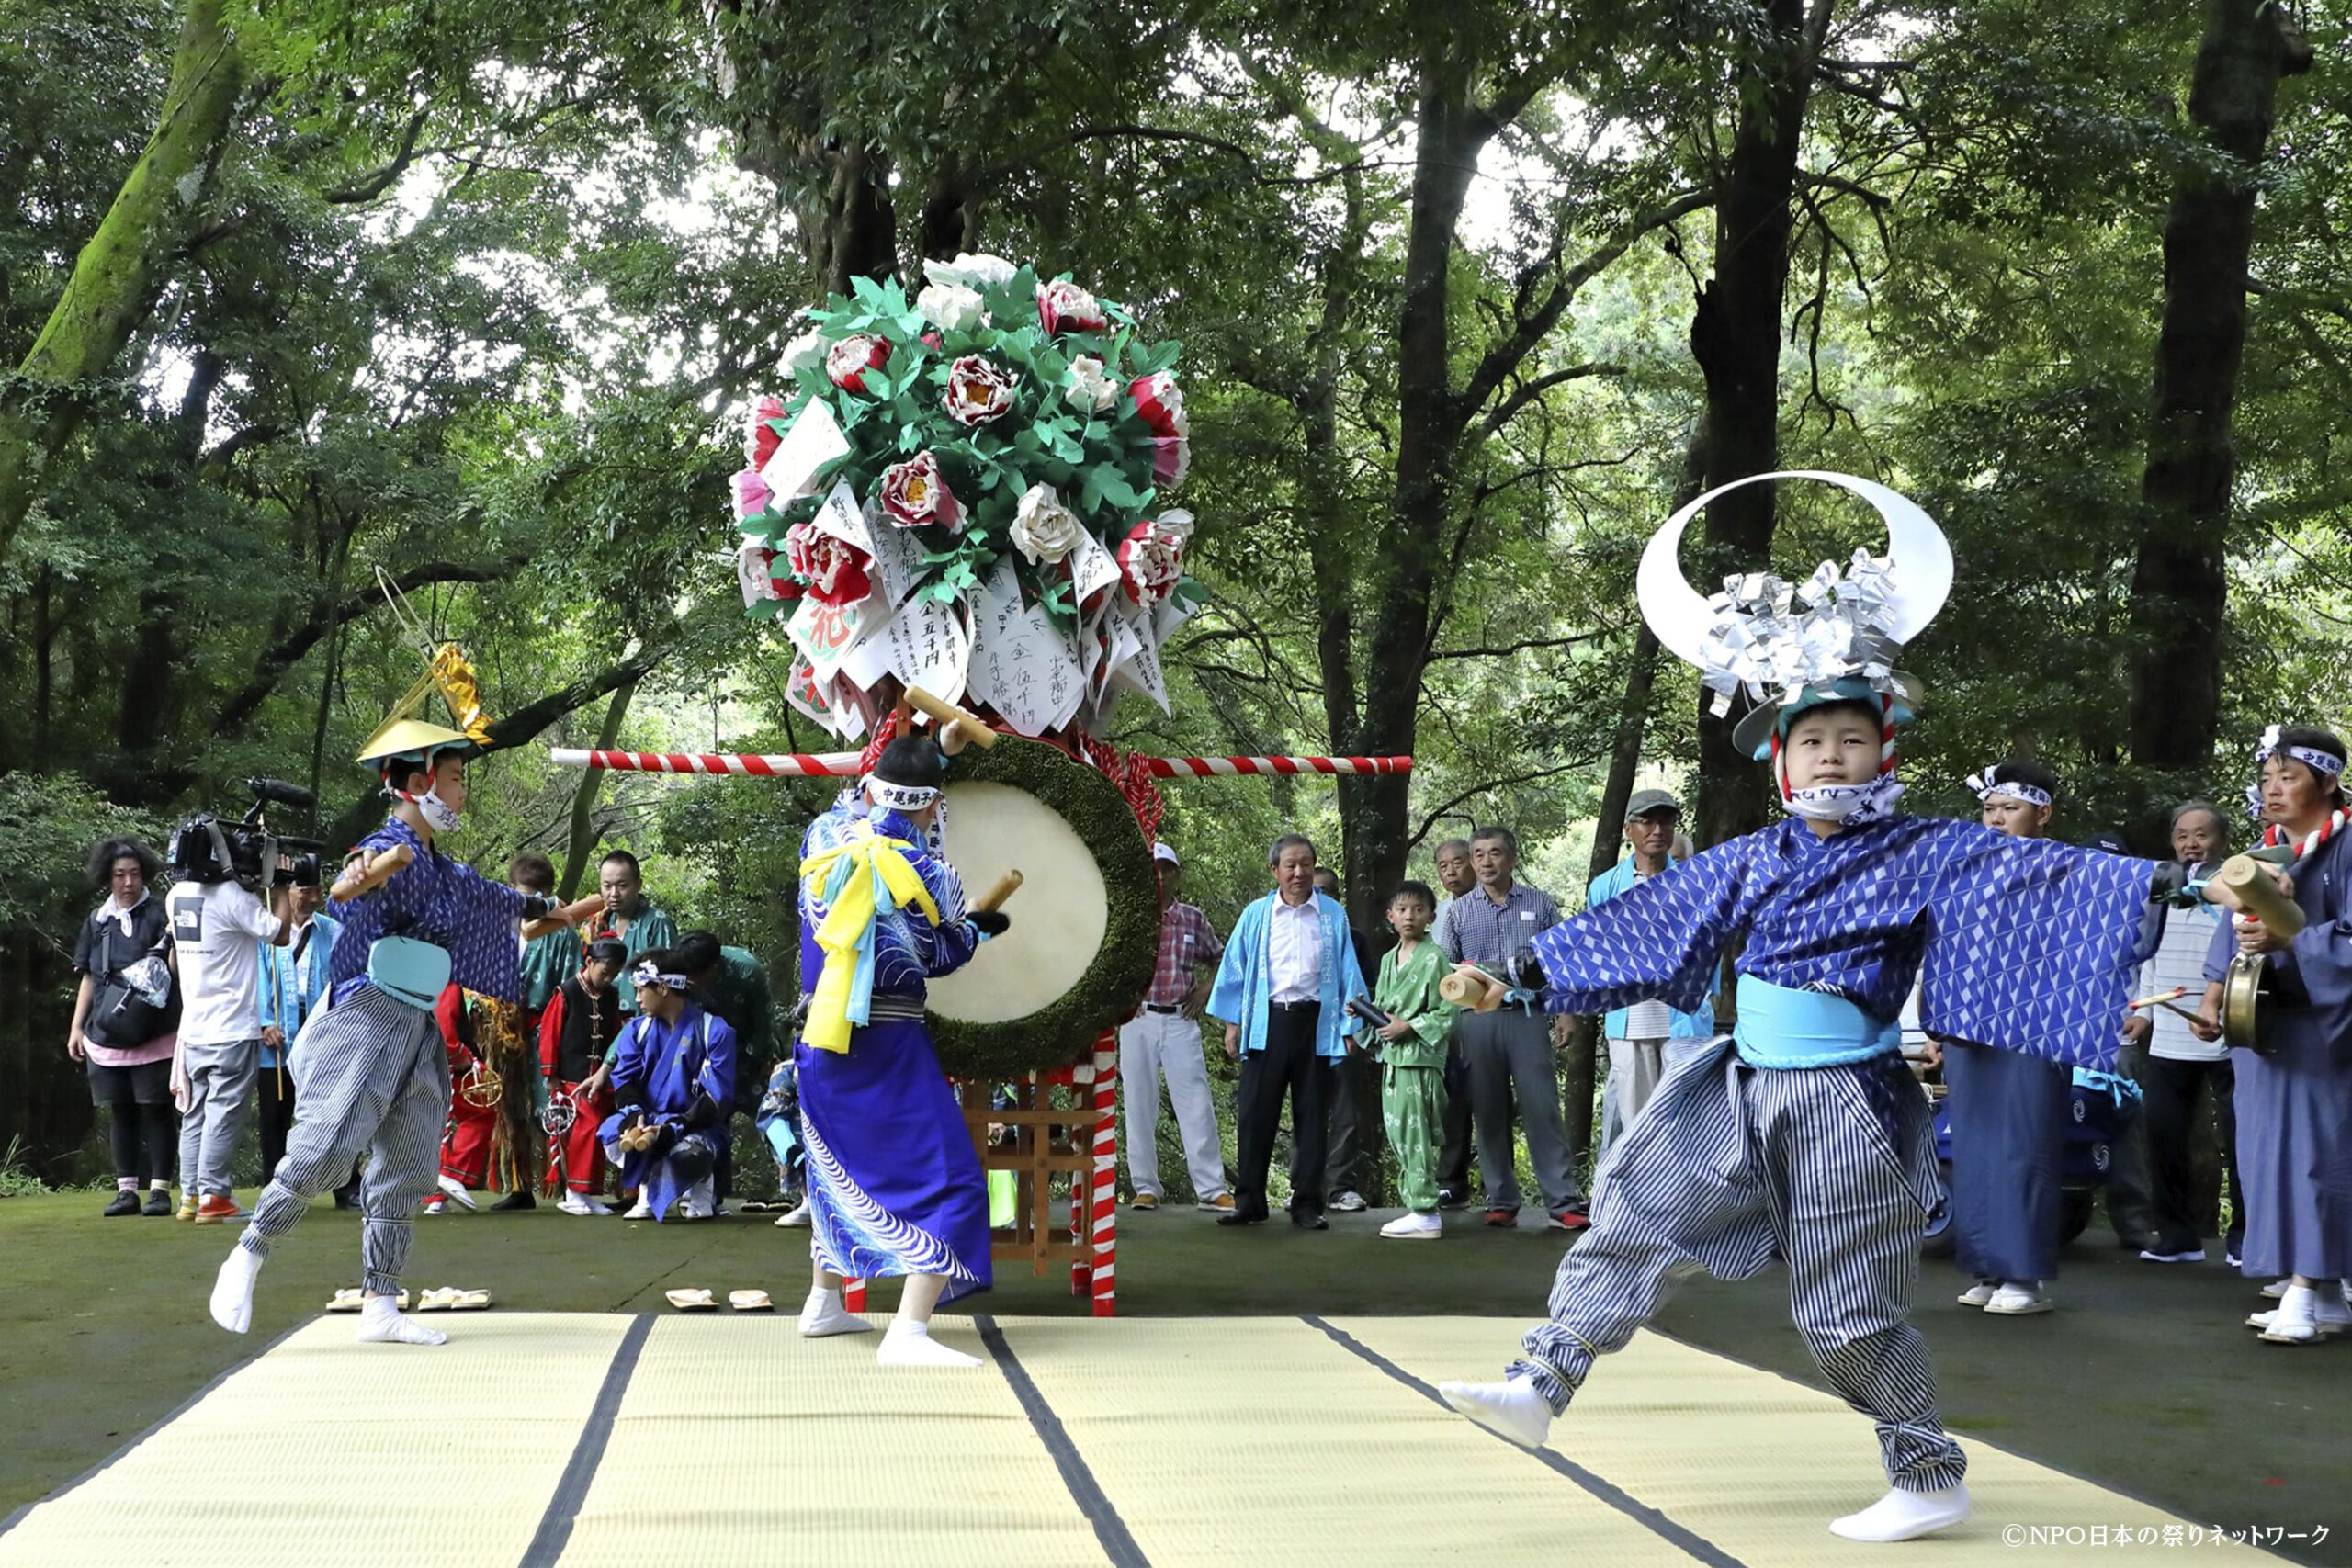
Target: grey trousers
x,y
1508,1054
220,1092
368,1073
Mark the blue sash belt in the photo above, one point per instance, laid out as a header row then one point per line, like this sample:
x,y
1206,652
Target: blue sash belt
x,y
1781,1028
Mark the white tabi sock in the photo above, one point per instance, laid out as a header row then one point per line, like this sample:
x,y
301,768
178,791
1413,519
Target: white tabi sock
x,y
1513,1408
822,1314
1905,1515
232,1289
382,1323
910,1344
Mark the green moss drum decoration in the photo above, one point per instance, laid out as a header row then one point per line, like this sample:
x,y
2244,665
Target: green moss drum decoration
x,y
984,836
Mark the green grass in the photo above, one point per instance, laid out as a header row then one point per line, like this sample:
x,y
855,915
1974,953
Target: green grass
x,y
2143,1380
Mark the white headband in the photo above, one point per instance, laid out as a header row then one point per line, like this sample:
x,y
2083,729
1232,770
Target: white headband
x,y
899,796
2027,793
647,973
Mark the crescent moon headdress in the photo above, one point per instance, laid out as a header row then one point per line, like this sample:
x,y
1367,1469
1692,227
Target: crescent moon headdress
x,y
1833,637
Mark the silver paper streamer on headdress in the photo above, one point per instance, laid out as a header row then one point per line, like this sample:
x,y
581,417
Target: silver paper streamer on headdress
x,y
1774,638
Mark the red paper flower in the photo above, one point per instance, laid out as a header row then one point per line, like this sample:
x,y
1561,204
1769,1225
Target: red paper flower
x,y
914,494
835,571
1160,405
1171,460
760,439
1067,308
1151,557
976,391
848,361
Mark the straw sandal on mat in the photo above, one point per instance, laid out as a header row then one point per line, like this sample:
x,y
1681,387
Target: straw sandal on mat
x,y
692,1301
750,1301
349,1301
453,1298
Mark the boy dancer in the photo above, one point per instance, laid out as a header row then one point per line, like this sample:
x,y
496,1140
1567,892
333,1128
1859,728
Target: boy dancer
x,y
576,1032
369,1072
1412,1059
1801,1137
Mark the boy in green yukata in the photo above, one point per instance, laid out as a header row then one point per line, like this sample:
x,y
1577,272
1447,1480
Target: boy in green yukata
x,y
1412,1056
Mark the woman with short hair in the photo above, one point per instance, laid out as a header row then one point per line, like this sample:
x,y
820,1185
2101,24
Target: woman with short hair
x,y
121,1036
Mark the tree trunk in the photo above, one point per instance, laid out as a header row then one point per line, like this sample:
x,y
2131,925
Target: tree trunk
x,y
583,799
119,274
850,227
1451,129
2179,582
1735,338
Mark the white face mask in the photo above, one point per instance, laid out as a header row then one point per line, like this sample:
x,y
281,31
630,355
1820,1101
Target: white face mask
x,y
439,815
1846,805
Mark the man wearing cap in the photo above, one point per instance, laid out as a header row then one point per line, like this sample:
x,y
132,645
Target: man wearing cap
x,y
1638,1035
1164,1041
369,1071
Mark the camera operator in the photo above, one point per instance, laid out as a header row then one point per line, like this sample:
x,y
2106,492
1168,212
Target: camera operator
x,y
218,928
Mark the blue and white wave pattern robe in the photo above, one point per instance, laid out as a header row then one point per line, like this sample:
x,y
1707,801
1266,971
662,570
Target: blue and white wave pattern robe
x,y
895,1187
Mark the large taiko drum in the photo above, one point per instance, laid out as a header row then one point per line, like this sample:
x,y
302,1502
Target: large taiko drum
x,y
1085,922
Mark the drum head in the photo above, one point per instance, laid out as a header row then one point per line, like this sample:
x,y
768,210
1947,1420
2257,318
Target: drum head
x,y
1058,915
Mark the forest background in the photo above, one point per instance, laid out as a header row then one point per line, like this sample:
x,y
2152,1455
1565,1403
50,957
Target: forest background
x,y
1472,295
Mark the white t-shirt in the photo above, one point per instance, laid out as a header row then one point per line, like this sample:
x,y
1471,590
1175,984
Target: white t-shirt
x,y
218,929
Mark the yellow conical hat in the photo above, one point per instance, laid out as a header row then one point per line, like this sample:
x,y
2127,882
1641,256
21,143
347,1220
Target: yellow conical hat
x,y
404,736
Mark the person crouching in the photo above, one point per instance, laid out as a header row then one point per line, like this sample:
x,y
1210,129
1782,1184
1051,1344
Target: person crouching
x,y
674,1077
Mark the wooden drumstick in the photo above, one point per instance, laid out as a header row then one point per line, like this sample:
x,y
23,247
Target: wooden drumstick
x,y
1472,988
946,714
350,885
2259,895
1006,887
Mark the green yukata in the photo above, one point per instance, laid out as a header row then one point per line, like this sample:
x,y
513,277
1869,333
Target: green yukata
x,y
1412,1070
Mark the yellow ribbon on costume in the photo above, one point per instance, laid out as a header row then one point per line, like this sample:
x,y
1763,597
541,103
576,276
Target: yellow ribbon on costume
x,y
848,926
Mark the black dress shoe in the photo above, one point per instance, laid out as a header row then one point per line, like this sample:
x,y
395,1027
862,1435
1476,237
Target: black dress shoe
x,y
158,1204
514,1202
1310,1221
1241,1218
125,1202
346,1200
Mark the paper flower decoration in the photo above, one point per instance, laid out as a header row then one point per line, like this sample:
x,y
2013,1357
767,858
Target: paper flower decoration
x,y
836,571
1067,308
977,390
952,307
913,494
1151,557
751,494
848,361
1089,388
759,435
970,271
1043,529
1775,638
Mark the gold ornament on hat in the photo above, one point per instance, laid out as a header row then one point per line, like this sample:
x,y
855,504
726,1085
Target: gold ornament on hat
x,y
445,671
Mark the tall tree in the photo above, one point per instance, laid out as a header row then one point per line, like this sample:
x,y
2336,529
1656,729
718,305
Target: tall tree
x,y
2180,579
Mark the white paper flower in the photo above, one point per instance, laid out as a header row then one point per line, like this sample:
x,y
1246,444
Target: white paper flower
x,y
1089,388
804,356
1043,529
952,308
970,271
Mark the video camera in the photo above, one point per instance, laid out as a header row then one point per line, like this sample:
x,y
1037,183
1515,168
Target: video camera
x,y
205,848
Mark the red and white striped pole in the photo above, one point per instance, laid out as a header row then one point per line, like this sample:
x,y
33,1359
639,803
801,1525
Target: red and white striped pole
x,y
1094,1219
843,764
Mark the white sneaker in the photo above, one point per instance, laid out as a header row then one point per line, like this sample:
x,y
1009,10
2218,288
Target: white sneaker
x,y
1905,1515
1348,1202
2194,1255
644,1210
1977,1295
1413,1227
822,1314
2016,1298
2303,1315
797,1220
458,1193
1511,1409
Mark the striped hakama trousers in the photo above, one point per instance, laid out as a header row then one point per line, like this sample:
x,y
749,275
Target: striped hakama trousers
x,y
1830,1170
369,1072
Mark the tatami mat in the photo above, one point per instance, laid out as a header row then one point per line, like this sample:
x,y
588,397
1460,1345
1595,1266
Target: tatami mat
x,y
741,1443
1756,1464
1259,1441
1163,1441
323,1451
